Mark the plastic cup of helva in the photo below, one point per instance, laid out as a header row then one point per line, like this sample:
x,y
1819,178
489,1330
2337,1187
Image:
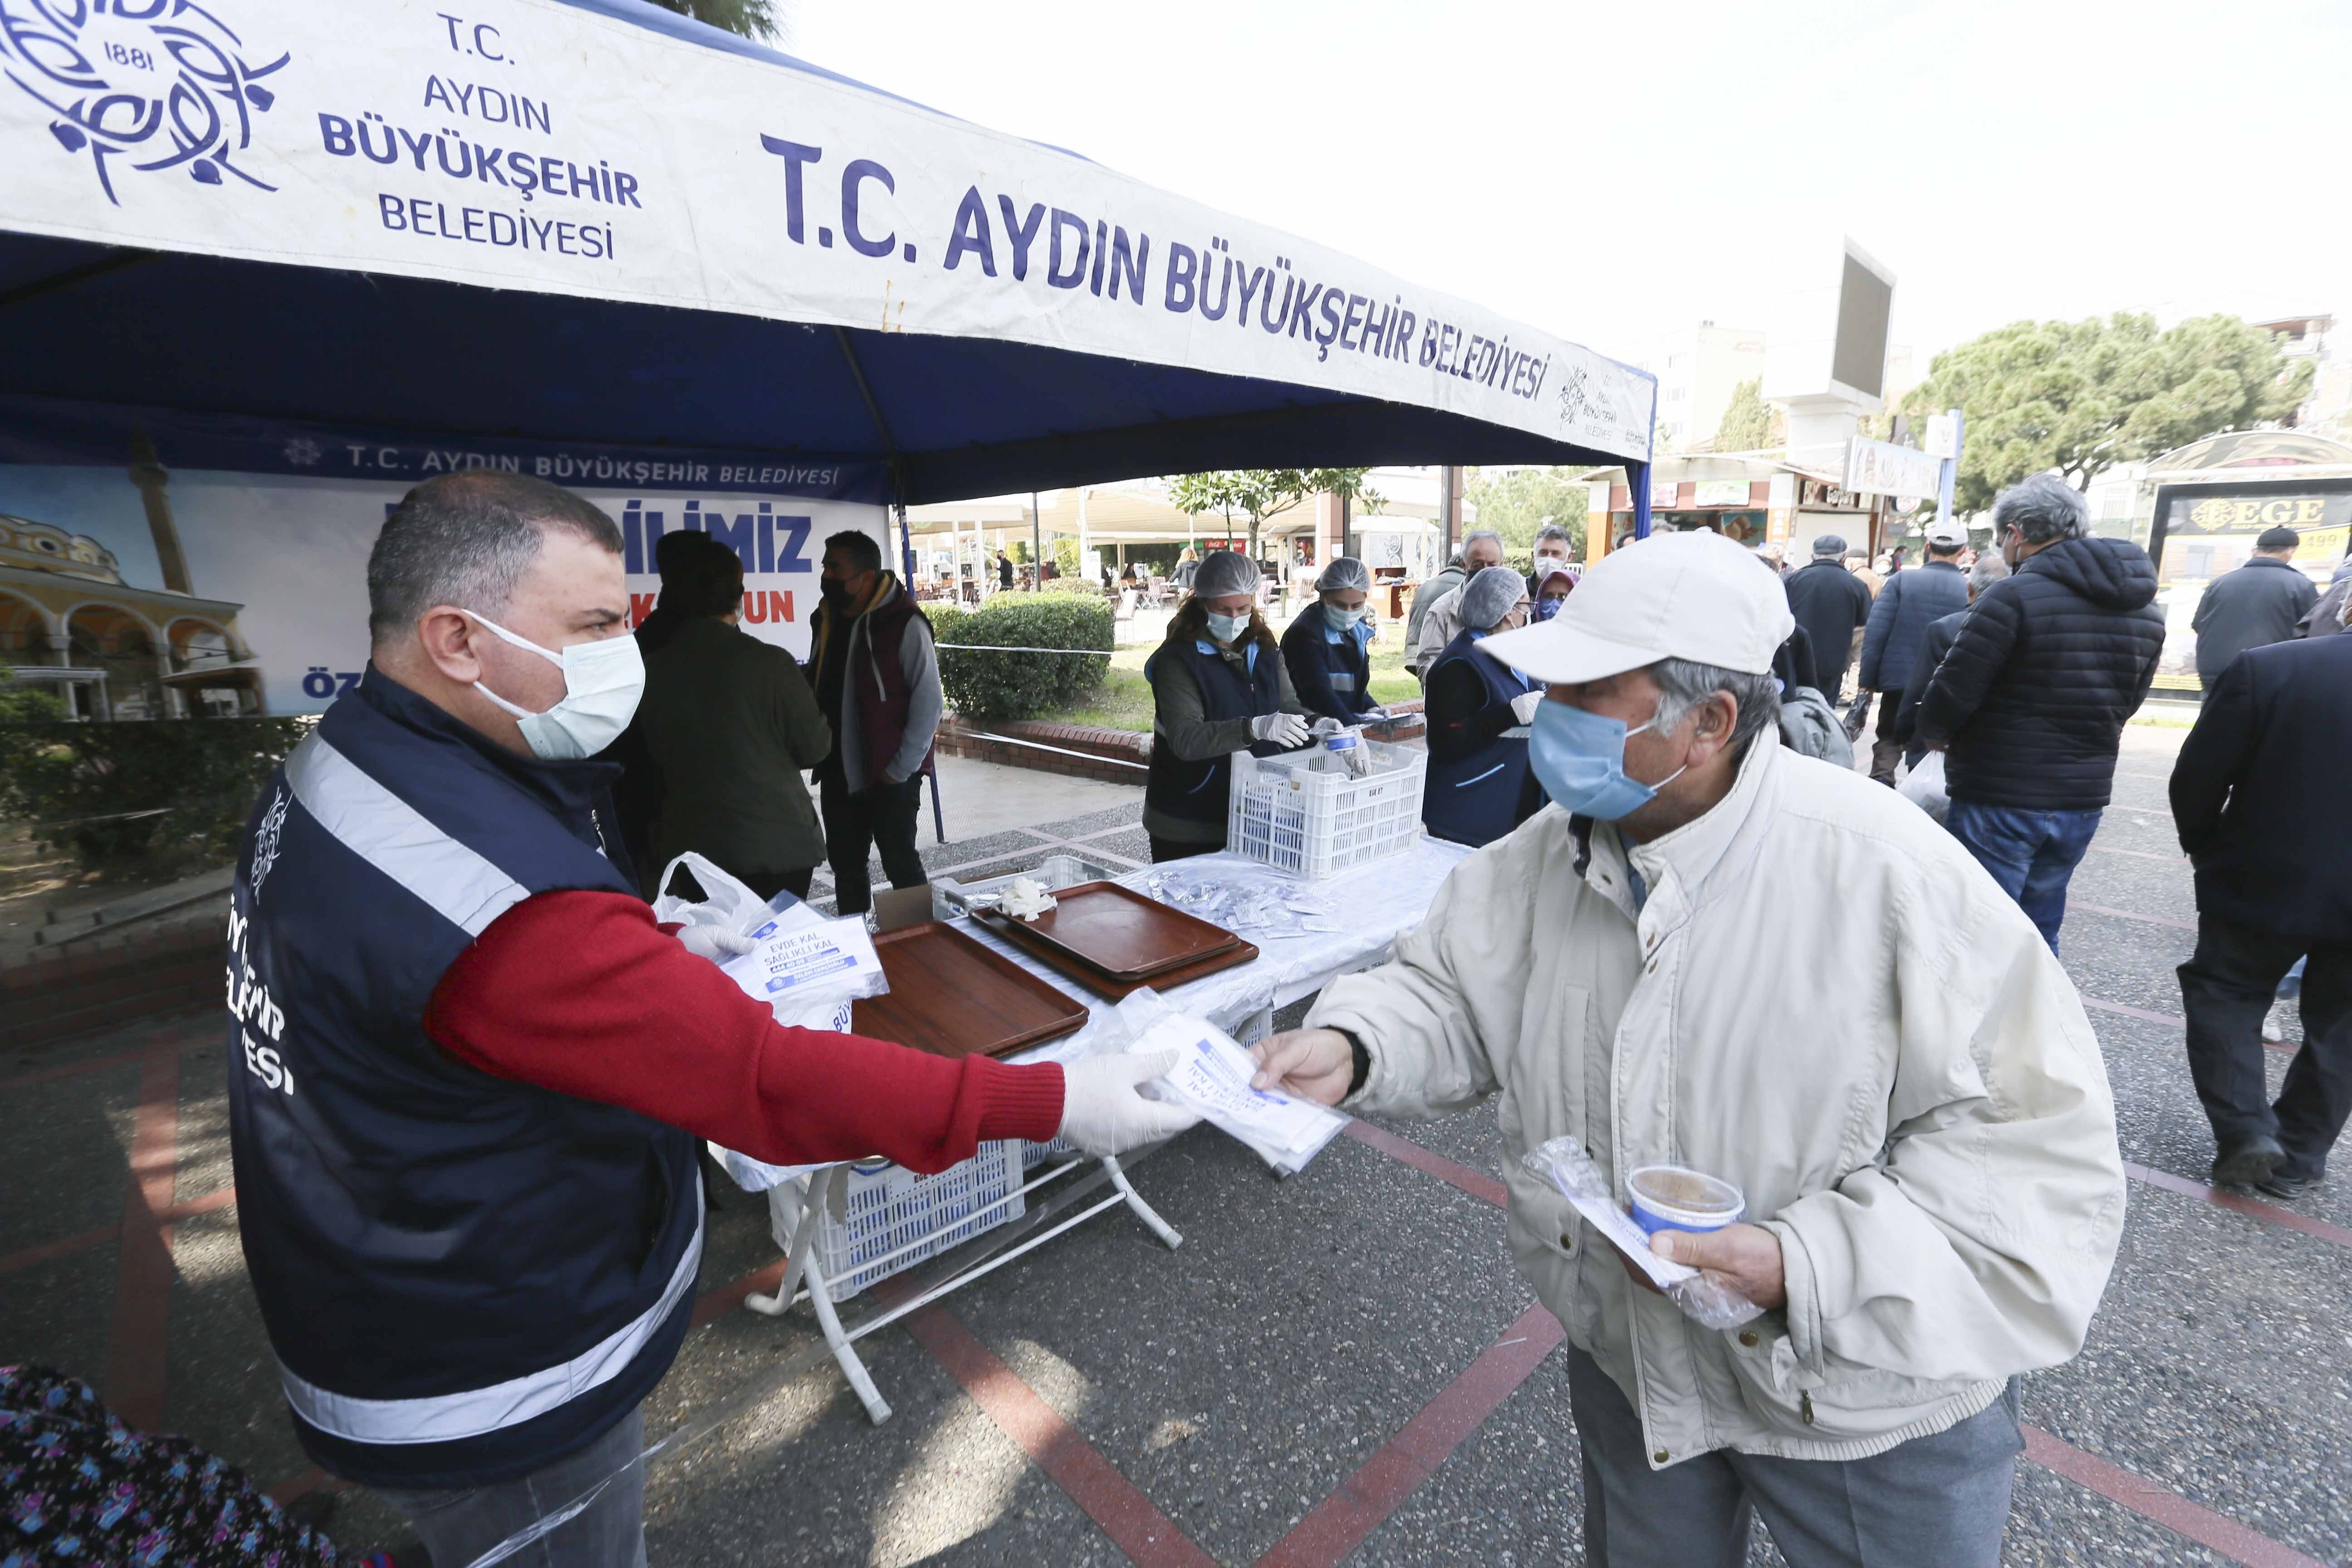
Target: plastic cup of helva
x,y
1669,1197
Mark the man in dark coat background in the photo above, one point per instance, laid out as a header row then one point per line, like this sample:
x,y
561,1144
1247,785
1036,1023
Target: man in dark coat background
x,y
2256,795
1831,604
2030,704
2260,603
1899,618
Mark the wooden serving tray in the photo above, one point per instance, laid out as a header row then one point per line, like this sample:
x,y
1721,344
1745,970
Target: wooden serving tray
x,y
1113,933
953,998
1239,954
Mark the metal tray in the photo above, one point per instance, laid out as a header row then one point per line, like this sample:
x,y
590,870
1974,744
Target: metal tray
x,y
953,998
1112,932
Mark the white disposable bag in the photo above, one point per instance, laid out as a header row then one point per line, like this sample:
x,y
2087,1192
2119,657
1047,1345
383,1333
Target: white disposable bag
x,y
1923,787
806,968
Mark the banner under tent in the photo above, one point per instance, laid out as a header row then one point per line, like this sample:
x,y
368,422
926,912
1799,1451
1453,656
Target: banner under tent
x,y
593,221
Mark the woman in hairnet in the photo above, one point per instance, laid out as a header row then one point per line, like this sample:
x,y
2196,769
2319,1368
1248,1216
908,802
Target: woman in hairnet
x,y
1217,686
1324,648
1480,787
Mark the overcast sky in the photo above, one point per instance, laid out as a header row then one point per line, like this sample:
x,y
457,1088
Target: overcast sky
x,y
1614,173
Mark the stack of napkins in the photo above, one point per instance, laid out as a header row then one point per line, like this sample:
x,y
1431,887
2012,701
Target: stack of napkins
x,y
807,968
1212,1076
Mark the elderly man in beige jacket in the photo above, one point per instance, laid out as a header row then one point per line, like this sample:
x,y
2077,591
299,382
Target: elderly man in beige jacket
x,y
1711,949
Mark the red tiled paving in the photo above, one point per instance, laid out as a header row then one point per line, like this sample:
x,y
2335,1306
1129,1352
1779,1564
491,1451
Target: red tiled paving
x,y
143,1280
2169,1508
1342,1522
2253,1208
135,1367
1134,1523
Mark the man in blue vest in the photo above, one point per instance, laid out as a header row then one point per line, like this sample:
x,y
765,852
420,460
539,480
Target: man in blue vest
x,y
468,1070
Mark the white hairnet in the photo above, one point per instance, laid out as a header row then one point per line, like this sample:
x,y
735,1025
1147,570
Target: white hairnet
x,y
1487,597
1344,572
1224,572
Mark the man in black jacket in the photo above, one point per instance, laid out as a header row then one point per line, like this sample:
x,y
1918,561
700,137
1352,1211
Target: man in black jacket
x,y
2260,603
2030,702
1831,604
2256,795
1933,644
1898,623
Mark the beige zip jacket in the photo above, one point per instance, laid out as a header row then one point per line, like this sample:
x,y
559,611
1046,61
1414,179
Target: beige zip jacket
x,y
1825,999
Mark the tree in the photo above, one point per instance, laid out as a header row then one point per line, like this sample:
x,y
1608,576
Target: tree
x,y
1516,504
752,18
1749,424
1261,493
2081,397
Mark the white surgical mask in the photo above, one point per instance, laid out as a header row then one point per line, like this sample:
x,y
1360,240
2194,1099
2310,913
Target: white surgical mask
x,y
1341,618
1225,628
601,682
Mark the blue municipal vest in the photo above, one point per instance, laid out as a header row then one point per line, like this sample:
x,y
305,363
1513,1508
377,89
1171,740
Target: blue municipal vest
x,y
1329,668
464,1278
1198,792
1476,799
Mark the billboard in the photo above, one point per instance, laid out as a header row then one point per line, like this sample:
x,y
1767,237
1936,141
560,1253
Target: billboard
x,y
157,564
2202,530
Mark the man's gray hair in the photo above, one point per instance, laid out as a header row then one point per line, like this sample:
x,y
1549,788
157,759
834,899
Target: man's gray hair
x,y
1552,531
2041,509
468,540
1683,685
1990,568
1474,535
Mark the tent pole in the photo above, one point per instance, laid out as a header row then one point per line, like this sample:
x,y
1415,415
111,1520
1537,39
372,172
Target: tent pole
x,y
1036,544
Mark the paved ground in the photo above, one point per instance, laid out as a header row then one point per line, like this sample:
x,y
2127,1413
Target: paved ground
x,y
1342,1363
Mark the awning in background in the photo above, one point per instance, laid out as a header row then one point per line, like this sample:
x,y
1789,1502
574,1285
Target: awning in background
x,y
593,221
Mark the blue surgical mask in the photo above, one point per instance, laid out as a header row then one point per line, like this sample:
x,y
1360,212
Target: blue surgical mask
x,y
1547,608
1579,758
1226,628
1341,619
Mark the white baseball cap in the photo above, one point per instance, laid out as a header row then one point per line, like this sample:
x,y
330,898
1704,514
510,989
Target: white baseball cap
x,y
1945,532
1693,595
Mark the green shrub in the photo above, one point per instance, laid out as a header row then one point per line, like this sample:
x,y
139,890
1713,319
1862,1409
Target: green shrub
x,y
1023,685
82,786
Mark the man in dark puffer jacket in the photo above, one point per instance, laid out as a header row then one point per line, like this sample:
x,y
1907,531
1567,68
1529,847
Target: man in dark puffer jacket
x,y
2031,699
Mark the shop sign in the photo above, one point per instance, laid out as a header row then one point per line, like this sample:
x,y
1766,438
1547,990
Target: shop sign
x,y
1884,468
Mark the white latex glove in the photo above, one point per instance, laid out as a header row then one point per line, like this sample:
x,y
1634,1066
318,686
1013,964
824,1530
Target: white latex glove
x,y
716,943
1376,716
1103,1114
1282,729
1524,706
1325,725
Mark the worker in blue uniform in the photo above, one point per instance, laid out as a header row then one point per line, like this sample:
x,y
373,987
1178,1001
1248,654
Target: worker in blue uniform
x,y
1480,787
1326,649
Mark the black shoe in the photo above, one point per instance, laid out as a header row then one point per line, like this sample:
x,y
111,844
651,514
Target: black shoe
x,y
2287,1184
2247,1164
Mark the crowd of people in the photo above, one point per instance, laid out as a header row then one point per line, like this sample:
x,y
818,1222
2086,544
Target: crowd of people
x,y
474,1230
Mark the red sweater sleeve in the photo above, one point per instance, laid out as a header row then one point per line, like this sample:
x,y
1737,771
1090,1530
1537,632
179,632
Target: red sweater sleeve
x,y
582,992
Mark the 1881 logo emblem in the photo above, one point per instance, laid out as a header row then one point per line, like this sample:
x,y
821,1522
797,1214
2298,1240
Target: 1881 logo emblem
x,y
161,84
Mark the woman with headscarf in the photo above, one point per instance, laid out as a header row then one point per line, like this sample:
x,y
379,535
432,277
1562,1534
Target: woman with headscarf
x,y
1217,686
1480,787
1552,589
1325,647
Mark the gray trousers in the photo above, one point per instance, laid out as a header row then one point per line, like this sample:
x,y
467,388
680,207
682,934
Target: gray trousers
x,y
457,1527
1939,1501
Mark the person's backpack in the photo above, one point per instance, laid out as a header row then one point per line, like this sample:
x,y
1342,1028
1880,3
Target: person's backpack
x,y
1810,727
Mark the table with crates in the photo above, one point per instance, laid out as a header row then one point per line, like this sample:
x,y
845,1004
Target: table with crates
x,y
1306,831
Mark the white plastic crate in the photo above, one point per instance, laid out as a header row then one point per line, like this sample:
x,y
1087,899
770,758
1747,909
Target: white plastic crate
x,y
1305,814
882,1209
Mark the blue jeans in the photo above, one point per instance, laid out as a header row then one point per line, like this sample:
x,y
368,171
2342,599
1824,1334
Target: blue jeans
x,y
2031,853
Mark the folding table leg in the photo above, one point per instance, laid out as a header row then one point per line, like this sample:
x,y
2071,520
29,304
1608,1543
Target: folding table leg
x,y
813,1198
861,1382
1143,1211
